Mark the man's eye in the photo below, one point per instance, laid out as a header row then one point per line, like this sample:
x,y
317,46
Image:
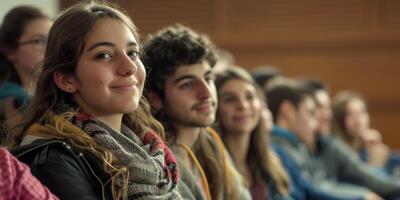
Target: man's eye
x,y
187,85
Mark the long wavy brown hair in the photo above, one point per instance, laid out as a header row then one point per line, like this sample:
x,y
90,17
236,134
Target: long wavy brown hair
x,y
263,162
65,44
339,109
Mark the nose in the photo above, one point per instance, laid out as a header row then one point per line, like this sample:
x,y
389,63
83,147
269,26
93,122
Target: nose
x,y
242,104
127,67
204,89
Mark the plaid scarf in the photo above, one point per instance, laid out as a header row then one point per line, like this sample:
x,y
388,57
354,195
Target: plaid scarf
x,y
152,167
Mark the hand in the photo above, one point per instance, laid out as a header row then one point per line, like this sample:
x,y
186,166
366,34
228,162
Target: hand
x,y
371,136
378,154
372,196
266,119
377,151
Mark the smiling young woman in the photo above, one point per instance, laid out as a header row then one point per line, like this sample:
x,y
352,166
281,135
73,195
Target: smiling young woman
x,y
88,132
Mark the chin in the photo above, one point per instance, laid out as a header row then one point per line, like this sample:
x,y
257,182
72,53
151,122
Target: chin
x,y
130,109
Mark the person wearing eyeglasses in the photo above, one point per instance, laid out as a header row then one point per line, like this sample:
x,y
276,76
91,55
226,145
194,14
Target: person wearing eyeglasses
x,y
23,36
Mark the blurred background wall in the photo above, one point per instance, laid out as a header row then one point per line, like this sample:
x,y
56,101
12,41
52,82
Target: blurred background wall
x,y
51,7
349,44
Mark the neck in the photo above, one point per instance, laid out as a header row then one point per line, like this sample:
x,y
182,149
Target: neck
x,y
113,121
187,135
238,145
282,123
355,144
25,79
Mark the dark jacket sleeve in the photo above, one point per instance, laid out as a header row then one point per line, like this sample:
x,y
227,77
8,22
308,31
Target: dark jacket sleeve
x,y
62,173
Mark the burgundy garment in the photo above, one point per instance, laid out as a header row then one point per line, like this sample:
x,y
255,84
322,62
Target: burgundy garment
x,y
259,190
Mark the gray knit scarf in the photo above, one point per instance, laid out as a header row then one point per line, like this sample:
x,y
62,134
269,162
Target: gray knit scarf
x,y
152,167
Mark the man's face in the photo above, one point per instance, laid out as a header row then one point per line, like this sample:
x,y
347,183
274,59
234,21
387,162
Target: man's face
x,y
190,96
303,121
323,112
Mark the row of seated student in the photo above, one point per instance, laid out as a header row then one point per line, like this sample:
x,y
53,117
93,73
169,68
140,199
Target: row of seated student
x,y
100,124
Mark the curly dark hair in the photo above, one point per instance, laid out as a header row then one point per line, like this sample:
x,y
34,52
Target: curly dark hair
x,y
171,48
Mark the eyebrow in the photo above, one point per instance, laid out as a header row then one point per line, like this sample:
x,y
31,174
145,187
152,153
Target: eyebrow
x,y
208,72
184,77
225,94
38,35
109,44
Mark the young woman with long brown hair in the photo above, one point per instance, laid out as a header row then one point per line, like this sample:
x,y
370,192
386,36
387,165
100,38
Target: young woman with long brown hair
x,y
88,132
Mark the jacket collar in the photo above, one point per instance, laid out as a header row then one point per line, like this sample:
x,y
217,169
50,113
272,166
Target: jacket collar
x,y
283,133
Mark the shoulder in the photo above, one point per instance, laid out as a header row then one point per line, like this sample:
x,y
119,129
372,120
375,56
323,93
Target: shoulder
x,y
45,150
56,164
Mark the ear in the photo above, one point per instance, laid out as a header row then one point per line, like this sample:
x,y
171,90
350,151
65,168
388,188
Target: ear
x,y
154,100
286,109
11,54
66,82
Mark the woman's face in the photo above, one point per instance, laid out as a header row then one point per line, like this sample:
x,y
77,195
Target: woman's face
x,y
109,77
239,107
31,45
357,118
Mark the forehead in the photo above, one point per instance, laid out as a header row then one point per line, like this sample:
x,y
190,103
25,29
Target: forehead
x,y
237,86
322,98
108,29
355,104
195,70
307,103
38,26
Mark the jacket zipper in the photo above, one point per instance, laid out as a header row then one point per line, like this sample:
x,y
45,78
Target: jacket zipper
x,y
94,174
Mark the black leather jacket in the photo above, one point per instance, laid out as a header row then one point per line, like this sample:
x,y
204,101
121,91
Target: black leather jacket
x,y
68,173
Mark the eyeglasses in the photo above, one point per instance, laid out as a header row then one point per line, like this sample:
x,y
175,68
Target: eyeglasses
x,y
40,41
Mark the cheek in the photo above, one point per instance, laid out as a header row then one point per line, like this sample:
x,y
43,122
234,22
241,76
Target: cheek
x,y
91,82
141,72
257,105
349,122
224,114
213,92
32,54
365,119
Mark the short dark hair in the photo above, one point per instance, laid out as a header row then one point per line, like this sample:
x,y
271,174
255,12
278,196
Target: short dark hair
x,y
293,91
171,48
262,75
315,84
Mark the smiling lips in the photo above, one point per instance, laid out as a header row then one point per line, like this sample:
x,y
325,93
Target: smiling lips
x,y
241,118
204,107
126,86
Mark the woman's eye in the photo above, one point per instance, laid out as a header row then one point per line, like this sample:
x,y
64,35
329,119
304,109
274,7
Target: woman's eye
x,y
250,97
228,99
133,54
103,56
